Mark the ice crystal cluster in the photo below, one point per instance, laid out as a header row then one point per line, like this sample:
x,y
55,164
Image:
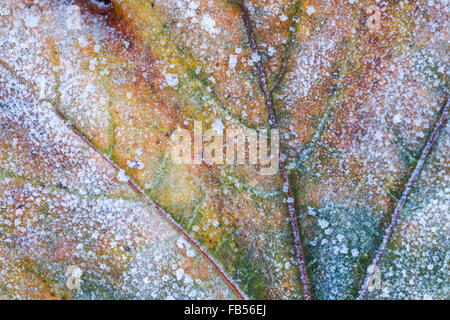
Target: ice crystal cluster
x,y
90,92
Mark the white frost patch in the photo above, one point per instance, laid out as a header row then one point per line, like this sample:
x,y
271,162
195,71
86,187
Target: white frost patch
x,y
397,118
233,61
135,163
190,253
32,21
93,64
311,211
77,272
179,274
218,126
255,57
83,41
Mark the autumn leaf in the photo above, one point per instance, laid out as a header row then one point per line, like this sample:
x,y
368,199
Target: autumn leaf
x,y
94,206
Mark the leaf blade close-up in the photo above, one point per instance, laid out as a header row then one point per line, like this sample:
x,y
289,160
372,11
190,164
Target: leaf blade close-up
x,y
92,92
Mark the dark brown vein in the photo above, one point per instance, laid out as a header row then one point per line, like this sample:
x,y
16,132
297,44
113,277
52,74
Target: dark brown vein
x,y
274,126
426,151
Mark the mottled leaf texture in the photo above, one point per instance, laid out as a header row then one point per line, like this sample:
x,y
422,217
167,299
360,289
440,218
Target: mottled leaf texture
x,y
91,92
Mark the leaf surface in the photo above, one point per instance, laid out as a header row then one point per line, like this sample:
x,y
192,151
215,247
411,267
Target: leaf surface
x,y
355,108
